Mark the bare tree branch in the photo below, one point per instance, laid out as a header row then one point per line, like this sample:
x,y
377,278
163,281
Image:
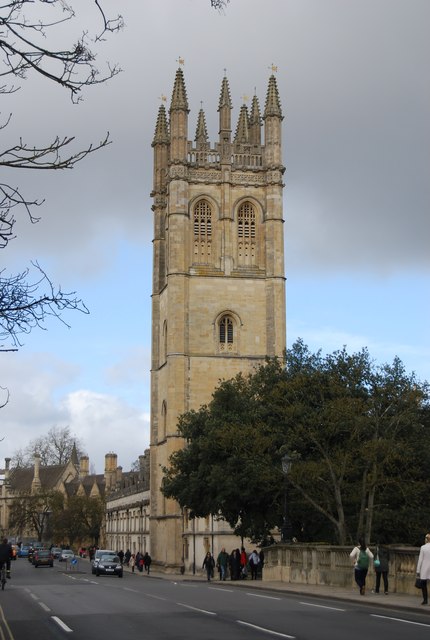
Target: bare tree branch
x,y
25,305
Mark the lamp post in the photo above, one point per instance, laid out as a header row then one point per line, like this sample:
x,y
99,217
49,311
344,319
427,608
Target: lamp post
x,y
286,524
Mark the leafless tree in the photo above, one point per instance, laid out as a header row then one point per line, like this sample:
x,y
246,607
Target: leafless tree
x,y
53,448
26,301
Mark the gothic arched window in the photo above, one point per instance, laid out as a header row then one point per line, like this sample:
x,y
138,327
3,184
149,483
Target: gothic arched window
x,y
246,234
202,218
226,333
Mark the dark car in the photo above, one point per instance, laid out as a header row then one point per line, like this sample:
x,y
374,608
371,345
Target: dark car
x,y
43,558
109,566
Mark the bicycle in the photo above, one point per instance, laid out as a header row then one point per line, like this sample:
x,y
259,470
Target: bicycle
x,y
3,577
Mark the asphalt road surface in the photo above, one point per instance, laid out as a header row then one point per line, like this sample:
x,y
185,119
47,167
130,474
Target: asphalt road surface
x,y
46,604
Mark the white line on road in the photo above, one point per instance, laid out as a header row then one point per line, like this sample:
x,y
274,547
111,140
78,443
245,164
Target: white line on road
x,y
221,589
132,590
62,624
273,633
321,606
151,595
34,596
44,606
419,624
258,595
187,606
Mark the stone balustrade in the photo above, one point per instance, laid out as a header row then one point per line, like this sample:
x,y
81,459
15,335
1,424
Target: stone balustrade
x,y
331,565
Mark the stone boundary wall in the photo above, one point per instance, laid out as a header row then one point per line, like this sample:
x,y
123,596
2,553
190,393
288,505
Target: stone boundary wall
x,y
331,566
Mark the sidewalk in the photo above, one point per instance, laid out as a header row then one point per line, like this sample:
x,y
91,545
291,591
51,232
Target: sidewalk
x,y
393,601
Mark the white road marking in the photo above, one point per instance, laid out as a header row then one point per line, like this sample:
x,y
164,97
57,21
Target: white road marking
x,y
34,596
62,624
418,624
151,595
44,606
321,606
221,589
187,606
258,595
273,633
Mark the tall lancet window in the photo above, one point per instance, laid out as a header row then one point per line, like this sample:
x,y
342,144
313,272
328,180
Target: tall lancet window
x,y
202,232
246,234
226,333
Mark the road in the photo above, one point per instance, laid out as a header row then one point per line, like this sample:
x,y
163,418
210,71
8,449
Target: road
x,y
52,604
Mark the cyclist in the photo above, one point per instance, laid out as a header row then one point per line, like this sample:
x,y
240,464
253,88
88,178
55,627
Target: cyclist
x,y
5,556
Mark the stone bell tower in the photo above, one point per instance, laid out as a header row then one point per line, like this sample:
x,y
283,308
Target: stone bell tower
x,y
218,294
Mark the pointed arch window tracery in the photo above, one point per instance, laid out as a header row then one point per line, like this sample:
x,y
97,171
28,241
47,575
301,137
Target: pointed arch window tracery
x,y
202,219
226,334
246,234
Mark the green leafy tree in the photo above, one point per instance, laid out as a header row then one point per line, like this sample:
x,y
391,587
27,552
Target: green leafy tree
x,y
355,432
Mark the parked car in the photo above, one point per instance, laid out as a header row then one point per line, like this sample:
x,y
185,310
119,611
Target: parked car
x,y
56,552
43,558
23,551
66,554
109,566
98,554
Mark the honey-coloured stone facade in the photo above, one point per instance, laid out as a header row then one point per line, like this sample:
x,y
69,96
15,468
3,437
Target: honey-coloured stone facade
x,y
218,300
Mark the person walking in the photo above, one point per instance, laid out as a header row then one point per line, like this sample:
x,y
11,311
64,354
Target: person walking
x,y
243,563
209,564
380,563
361,556
254,561
222,563
121,556
132,562
423,567
147,562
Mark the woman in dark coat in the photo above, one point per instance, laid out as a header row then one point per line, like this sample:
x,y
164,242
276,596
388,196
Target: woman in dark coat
x,y
381,568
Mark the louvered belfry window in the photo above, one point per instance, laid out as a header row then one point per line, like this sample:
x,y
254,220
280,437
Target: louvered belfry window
x,y
226,333
202,232
246,234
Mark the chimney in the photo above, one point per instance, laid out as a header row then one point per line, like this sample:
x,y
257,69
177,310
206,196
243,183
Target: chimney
x,y
84,467
36,484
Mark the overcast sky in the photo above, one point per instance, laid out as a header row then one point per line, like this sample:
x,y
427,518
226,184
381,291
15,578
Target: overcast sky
x,y
353,77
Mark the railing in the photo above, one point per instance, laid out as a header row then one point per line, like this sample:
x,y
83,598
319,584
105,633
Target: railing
x,y
330,565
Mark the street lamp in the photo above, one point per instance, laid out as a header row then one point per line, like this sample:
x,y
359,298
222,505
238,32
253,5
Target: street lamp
x,y
286,524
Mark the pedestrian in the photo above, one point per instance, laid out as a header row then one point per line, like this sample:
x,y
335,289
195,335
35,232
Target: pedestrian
x,y
139,561
243,563
132,562
423,567
121,556
254,561
222,563
261,562
147,562
234,563
209,564
380,563
361,555
127,557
